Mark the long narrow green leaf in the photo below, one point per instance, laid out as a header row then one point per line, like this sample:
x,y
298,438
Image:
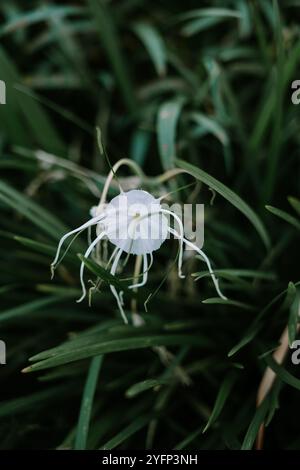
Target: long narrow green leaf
x,y
41,14
247,338
41,247
167,120
228,194
111,43
212,126
140,387
284,216
294,317
187,440
253,429
295,203
233,303
211,12
154,44
30,307
38,122
31,210
106,331
282,373
222,396
268,187
23,404
129,431
115,346
87,403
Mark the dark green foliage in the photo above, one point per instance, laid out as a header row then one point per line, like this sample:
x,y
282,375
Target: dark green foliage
x,y
171,85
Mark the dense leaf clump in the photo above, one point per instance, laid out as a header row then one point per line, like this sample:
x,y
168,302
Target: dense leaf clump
x,y
173,85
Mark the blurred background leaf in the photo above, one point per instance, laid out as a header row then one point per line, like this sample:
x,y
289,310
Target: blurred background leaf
x,y
206,90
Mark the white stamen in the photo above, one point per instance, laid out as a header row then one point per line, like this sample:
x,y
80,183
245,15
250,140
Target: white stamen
x,y
91,222
86,255
192,245
113,289
180,257
145,274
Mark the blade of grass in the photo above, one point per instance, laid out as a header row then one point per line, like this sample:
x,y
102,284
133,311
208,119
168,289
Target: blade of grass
x,y
221,399
126,433
284,216
276,141
41,217
154,44
282,373
111,43
143,386
294,318
228,194
167,120
31,307
118,345
255,424
87,403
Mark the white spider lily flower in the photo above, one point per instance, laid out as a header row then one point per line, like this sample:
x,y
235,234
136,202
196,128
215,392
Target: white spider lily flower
x,y
135,223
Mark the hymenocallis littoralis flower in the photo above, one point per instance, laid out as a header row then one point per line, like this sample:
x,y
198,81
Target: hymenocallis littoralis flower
x,y
134,223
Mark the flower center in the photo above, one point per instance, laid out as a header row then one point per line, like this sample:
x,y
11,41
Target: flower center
x,y
135,223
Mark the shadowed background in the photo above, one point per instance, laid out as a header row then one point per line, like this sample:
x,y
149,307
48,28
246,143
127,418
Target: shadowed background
x,y
170,84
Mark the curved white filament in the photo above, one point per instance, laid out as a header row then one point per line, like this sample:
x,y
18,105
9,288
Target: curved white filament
x,y
86,255
119,297
87,224
192,245
145,274
181,238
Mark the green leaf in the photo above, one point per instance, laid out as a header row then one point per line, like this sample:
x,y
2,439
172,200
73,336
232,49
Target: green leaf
x,y
115,345
129,431
106,331
228,194
40,247
274,153
23,108
41,217
282,373
247,338
233,303
105,275
294,317
211,12
154,44
87,403
187,440
112,45
31,307
199,24
236,274
167,120
212,126
257,323
222,396
255,424
20,405
295,203
284,216
44,13
65,113
139,145
140,387
10,115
